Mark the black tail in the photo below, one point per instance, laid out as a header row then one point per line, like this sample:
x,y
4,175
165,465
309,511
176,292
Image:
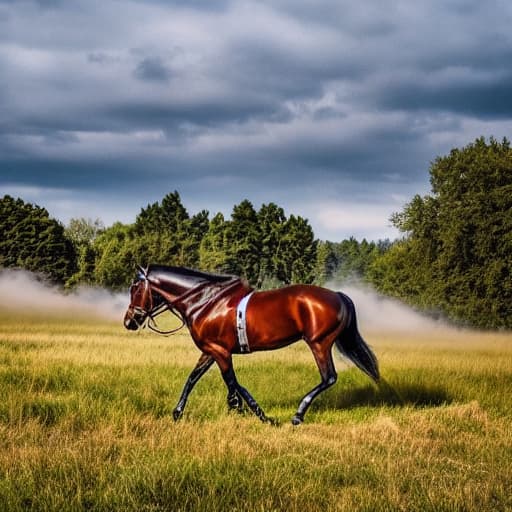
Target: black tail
x,y
351,344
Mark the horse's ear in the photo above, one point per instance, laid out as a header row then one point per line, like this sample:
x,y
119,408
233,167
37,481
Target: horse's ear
x,y
141,272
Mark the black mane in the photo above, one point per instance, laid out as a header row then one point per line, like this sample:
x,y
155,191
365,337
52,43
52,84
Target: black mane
x,y
186,276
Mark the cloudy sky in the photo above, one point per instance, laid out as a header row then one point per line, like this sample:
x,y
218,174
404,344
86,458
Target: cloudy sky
x,y
331,109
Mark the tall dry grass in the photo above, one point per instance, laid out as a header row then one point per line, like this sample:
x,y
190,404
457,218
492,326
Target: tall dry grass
x,y
85,424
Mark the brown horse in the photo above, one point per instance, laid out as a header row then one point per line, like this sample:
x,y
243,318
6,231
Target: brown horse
x,y
207,304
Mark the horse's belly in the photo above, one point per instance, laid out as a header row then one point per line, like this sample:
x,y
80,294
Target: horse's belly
x,y
273,331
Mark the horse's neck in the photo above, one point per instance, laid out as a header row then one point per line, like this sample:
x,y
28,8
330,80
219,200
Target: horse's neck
x,y
175,289
201,298
189,299
170,289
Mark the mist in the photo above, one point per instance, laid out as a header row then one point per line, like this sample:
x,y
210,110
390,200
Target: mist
x,y
378,313
22,291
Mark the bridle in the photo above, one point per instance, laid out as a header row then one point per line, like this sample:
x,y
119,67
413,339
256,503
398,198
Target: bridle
x,y
150,314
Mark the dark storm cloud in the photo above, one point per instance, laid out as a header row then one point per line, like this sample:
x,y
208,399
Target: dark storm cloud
x,y
487,98
202,5
153,68
315,104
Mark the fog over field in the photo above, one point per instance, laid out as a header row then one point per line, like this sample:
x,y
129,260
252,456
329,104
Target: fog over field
x,y
378,313
21,290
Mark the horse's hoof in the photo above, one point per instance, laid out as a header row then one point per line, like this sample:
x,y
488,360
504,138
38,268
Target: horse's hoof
x,y
270,421
177,414
297,420
235,403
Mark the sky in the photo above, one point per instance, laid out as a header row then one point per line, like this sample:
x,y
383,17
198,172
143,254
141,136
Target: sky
x,y
334,110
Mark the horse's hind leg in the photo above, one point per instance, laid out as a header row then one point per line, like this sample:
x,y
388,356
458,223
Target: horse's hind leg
x,y
323,357
236,392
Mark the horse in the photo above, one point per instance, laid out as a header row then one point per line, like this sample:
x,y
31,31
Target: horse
x,y
208,304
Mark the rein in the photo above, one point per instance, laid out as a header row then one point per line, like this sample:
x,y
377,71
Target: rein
x,y
151,323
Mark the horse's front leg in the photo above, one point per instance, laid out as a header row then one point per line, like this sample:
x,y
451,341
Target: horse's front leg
x,y
235,391
202,366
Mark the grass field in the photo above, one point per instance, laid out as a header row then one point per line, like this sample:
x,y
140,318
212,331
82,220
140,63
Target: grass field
x,y
85,424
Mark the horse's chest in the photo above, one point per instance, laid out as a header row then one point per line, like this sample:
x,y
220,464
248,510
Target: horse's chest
x,y
214,326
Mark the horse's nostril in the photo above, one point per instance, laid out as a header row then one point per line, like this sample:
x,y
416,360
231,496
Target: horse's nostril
x,y
130,324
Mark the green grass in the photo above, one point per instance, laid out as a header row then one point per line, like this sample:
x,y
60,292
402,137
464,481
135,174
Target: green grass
x,y
85,424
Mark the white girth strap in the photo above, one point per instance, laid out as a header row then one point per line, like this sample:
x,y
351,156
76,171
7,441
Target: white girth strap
x,y
240,324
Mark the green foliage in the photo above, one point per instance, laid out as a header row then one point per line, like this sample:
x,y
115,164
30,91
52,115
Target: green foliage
x,y
167,234
162,233
297,252
272,225
326,262
30,239
86,267
196,229
264,247
213,249
117,249
82,232
457,253
243,239
347,260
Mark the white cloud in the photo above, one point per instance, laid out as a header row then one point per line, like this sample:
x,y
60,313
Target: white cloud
x,y
362,220
65,204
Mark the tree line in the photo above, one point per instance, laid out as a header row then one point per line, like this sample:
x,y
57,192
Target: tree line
x,y
456,253
454,257
266,247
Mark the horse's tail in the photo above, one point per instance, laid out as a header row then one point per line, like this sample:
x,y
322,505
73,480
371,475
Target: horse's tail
x,y
352,345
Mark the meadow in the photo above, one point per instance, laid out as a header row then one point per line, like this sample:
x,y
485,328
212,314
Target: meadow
x,y
85,424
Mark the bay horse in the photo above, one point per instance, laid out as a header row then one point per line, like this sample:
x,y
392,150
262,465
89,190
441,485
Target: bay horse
x,y
207,304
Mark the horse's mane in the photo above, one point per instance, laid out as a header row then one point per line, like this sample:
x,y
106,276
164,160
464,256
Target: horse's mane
x,y
188,275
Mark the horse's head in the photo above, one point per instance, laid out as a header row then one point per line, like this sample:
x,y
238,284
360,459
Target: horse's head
x,y
142,301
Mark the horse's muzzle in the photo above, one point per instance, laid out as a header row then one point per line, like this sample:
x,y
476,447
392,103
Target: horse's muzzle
x,y
131,320
131,324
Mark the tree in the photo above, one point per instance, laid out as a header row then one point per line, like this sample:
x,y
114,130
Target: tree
x,y
213,250
272,222
30,239
456,254
298,252
243,242
170,228
193,231
82,232
117,253
264,247
326,262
